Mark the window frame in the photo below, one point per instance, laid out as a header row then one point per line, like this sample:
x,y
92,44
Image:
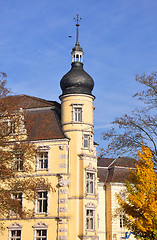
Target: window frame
x,y
90,207
42,199
87,140
75,113
14,227
90,170
40,237
17,163
40,227
90,190
39,168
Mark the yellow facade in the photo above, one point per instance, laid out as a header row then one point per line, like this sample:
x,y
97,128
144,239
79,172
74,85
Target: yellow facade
x,y
82,205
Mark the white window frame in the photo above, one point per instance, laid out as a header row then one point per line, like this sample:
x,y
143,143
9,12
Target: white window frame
x,y
90,182
90,170
42,149
90,207
37,204
15,227
87,140
77,113
40,227
39,159
17,163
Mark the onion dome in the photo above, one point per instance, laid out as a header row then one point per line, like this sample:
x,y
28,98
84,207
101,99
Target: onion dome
x,y
77,81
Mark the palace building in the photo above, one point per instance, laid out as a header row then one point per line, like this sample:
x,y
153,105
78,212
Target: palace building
x,y
83,204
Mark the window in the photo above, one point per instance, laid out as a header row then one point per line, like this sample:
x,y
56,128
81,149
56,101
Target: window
x,y
90,219
41,234
40,231
121,221
86,141
90,183
8,127
15,235
18,197
42,201
78,114
19,164
42,160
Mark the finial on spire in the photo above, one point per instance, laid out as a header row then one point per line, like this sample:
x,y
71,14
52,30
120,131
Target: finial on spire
x,y
77,51
77,19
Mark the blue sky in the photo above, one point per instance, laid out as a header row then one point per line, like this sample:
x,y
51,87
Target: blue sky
x,y
119,39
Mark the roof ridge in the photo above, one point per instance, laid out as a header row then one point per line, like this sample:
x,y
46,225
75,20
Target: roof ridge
x,y
39,99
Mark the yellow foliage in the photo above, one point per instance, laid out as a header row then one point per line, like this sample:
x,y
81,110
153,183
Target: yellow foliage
x,y
140,206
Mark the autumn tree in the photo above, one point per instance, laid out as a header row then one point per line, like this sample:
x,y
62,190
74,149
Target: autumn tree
x,y
139,202
130,131
17,159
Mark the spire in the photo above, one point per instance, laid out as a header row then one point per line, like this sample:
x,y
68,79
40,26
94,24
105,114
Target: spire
x,y
77,19
77,51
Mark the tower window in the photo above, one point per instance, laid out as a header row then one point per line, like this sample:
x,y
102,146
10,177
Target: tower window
x,y
90,182
86,141
77,113
90,219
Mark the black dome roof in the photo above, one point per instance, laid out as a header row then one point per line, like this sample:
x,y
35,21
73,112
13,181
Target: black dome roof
x,y
77,80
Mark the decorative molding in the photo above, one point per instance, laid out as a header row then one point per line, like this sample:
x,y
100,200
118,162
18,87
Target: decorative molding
x,y
62,238
62,230
40,225
64,182
61,147
91,168
63,200
77,99
88,198
62,156
63,191
15,226
62,209
90,205
43,148
62,165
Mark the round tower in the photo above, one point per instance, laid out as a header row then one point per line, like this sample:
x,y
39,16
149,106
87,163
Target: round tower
x,y
77,123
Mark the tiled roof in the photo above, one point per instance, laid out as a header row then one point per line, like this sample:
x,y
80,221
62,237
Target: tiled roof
x,y
27,102
115,170
43,125
42,117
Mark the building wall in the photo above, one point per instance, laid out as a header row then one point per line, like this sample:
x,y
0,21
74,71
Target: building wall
x,y
101,212
82,159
